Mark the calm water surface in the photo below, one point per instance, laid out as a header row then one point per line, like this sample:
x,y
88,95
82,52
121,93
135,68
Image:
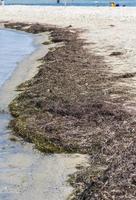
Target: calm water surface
x,y
72,2
13,48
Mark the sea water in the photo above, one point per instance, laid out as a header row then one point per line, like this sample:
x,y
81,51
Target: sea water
x,y
13,48
25,173
72,2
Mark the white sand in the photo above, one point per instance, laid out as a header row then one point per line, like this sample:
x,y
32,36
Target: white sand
x,y
104,38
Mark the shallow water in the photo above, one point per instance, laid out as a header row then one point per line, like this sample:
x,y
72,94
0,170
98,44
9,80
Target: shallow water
x,y
25,173
13,48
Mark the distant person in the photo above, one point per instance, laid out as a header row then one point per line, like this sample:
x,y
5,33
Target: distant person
x,y
2,2
113,4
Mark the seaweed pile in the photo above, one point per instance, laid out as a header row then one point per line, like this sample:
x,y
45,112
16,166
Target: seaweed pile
x,y
68,106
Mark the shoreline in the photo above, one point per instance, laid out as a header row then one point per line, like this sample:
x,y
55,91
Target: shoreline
x,y
25,70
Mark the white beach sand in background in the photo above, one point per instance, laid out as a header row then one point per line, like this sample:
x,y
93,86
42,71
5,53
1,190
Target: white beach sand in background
x,y
107,29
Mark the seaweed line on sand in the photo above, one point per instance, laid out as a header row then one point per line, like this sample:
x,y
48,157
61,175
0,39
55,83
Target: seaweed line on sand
x,y
69,106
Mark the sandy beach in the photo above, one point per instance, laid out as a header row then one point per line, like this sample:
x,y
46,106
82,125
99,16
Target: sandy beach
x,y
107,30
83,97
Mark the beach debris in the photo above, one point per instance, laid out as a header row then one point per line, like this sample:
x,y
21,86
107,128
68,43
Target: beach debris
x,y
116,53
